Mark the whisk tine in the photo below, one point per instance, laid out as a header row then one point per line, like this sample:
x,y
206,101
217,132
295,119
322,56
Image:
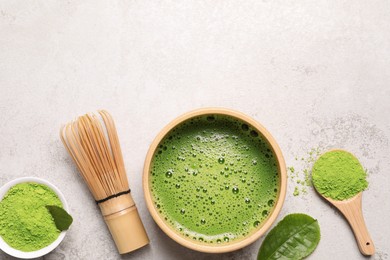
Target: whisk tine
x,y
93,143
116,151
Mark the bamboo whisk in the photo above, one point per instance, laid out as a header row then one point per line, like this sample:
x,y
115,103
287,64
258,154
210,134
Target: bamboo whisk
x,y
92,142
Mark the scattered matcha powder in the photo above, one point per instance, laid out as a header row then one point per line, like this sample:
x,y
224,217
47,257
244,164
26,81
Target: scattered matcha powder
x,y
25,223
296,191
339,175
301,174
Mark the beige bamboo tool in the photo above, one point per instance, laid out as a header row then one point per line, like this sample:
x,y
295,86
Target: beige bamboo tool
x,y
93,143
352,211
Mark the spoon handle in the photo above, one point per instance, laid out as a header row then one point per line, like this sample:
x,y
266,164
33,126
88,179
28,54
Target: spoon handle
x,y
352,210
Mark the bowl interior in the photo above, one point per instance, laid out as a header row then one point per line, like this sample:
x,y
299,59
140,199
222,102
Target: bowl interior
x,y
43,251
250,127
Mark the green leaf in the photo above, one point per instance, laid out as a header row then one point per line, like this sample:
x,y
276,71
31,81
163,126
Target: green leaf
x,y
295,237
61,218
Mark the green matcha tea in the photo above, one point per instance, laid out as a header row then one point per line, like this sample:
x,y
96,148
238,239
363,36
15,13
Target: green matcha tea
x,y
214,179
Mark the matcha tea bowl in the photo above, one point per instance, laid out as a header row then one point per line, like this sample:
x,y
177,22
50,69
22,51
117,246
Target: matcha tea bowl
x,y
214,180
27,229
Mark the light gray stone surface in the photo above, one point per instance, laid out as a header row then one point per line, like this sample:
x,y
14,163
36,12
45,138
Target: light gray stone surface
x,y
315,73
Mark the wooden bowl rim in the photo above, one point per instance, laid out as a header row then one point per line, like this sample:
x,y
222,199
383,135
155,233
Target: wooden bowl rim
x,y
246,240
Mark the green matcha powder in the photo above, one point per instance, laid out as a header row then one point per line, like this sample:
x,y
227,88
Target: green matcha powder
x,y
25,223
339,175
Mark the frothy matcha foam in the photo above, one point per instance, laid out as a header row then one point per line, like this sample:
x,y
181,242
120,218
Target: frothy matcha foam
x,y
214,179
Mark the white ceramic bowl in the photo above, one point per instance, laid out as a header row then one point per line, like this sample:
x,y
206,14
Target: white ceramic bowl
x,y
34,254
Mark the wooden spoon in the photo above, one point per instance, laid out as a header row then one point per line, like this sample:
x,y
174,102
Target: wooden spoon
x,y
352,211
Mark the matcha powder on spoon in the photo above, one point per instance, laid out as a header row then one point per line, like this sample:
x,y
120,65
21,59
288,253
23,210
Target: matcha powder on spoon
x,y
25,223
339,175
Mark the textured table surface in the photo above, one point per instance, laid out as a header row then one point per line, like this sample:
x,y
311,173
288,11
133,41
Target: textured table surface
x,y
314,73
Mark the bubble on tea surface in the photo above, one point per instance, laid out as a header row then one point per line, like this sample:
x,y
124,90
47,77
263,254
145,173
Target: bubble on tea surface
x,y
169,174
245,127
